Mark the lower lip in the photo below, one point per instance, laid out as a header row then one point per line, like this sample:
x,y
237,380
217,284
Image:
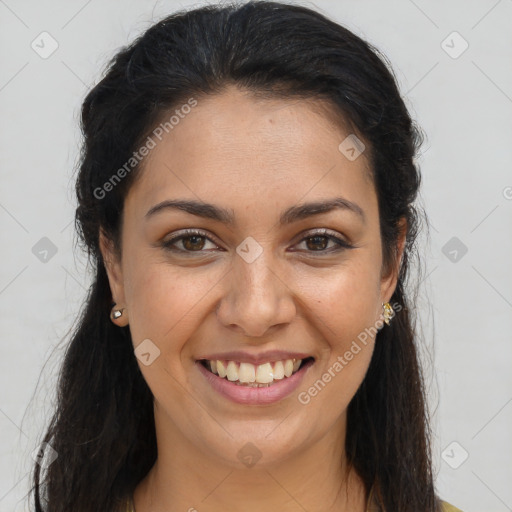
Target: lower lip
x,y
255,396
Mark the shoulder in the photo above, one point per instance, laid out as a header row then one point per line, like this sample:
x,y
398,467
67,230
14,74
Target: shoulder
x,y
446,507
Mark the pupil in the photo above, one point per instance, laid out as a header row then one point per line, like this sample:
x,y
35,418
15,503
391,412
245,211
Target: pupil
x,y
192,237
321,237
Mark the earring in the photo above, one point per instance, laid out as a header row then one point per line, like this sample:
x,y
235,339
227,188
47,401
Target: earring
x,y
116,313
388,312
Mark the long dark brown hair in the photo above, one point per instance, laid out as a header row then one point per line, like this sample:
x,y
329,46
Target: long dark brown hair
x,y
103,426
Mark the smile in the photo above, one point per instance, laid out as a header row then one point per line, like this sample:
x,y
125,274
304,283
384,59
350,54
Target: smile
x,y
250,375
249,384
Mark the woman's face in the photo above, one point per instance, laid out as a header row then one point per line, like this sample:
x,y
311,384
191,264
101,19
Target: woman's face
x,y
266,287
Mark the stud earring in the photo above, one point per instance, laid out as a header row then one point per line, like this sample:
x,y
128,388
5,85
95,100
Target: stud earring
x,y
116,313
388,312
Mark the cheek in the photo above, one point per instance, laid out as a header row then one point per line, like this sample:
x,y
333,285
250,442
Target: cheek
x,y
342,308
346,299
162,302
157,301
165,300
344,315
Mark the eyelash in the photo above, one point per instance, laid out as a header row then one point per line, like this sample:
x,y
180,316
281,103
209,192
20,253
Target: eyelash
x,y
342,244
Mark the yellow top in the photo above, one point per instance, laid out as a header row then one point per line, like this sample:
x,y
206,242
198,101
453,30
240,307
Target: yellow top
x,y
449,508
373,505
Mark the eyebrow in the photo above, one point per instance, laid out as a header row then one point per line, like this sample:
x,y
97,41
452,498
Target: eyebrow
x,y
289,216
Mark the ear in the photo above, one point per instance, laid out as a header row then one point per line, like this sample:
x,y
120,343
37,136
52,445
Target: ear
x,y
114,272
389,282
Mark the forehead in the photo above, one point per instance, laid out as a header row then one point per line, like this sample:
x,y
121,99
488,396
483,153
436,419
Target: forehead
x,y
237,148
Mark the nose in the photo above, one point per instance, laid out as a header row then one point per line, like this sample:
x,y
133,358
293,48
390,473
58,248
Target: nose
x,y
257,297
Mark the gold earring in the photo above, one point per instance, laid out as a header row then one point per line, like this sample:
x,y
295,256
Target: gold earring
x,y
388,312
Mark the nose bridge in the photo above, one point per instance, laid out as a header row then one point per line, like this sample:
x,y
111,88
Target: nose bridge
x,y
256,278
256,297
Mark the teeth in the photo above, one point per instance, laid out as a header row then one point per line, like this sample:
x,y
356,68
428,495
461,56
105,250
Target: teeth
x,y
246,373
264,373
288,367
232,371
221,369
278,370
251,375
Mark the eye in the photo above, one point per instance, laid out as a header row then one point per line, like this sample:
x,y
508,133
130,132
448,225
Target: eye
x,y
319,240
191,240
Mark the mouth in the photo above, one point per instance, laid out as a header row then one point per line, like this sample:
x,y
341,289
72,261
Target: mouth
x,y
255,376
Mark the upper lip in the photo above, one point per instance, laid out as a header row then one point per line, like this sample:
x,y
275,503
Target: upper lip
x,y
256,359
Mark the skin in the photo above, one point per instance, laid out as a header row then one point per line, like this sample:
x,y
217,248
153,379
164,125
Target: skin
x,y
255,157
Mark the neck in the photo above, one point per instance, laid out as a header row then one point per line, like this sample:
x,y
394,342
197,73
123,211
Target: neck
x,y
187,479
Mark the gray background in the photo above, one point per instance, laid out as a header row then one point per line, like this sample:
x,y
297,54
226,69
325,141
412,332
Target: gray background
x,y
463,102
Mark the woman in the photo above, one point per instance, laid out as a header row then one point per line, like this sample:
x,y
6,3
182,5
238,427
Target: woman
x,y
245,194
